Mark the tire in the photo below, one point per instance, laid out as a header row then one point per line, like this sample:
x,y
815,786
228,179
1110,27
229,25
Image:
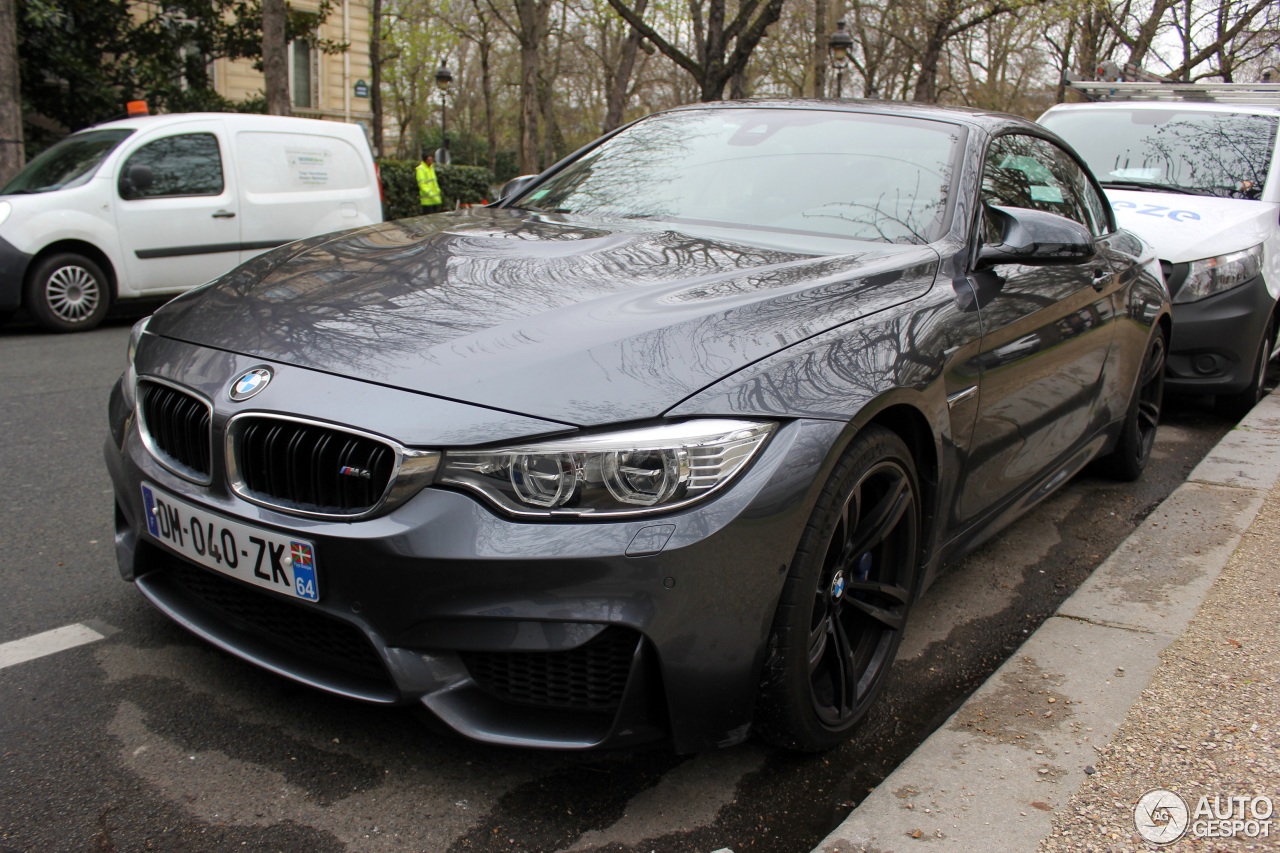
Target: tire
x,y
1238,405
67,292
844,603
1138,435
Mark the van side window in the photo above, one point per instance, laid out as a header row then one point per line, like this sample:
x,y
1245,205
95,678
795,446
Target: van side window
x,y
189,164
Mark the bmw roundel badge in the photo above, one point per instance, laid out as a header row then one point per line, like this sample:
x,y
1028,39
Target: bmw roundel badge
x,y
249,383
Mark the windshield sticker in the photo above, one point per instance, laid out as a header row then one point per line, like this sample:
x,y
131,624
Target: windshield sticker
x,y
1137,174
1157,210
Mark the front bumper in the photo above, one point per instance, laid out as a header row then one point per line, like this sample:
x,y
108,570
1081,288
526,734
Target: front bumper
x,y
1215,340
532,634
13,271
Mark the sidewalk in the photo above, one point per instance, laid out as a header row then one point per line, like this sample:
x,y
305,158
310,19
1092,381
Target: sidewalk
x,y
1161,671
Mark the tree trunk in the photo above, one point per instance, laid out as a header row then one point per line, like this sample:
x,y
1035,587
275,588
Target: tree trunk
x,y
533,27
275,65
927,83
620,81
820,34
486,85
375,72
11,149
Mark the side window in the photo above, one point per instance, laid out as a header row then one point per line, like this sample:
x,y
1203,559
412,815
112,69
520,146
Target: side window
x,y
190,164
1025,171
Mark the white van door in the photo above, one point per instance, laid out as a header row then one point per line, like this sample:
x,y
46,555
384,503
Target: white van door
x,y
177,208
297,184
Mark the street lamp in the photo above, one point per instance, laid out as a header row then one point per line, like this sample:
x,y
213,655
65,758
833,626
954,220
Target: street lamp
x,y
443,78
839,48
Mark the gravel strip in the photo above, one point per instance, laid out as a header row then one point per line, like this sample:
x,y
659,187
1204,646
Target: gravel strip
x,y
1209,721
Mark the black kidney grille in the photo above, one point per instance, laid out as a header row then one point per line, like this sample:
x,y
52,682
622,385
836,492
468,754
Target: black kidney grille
x,y
304,632
178,425
591,677
311,467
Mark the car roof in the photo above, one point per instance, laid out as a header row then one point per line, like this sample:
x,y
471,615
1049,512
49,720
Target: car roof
x,y
1181,106
959,115
237,121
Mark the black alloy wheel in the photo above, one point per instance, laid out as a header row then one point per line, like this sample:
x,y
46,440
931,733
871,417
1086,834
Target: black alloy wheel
x,y
1138,435
845,601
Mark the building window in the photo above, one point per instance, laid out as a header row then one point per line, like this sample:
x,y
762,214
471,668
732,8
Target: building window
x,y
302,57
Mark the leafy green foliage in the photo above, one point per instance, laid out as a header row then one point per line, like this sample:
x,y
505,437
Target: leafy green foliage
x,y
81,60
458,185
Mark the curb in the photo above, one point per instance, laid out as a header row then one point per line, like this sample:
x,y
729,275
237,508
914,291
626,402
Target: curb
x,y
1020,746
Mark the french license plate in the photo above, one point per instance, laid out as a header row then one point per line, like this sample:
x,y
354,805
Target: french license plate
x,y
249,553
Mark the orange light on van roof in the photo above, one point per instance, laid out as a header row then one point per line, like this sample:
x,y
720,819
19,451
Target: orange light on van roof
x,y
136,108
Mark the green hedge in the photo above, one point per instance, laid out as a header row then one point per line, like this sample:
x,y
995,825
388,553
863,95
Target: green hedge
x,y
458,185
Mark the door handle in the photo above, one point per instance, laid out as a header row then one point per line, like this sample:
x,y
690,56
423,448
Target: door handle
x,y
224,214
1100,279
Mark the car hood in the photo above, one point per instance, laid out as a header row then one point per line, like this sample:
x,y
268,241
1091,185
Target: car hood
x,y
578,321
1190,227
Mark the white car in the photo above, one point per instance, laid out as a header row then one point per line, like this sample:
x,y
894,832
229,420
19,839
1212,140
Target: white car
x,y
1196,180
156,205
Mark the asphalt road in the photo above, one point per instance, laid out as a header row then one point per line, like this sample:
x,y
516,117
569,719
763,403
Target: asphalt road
x,y
150,739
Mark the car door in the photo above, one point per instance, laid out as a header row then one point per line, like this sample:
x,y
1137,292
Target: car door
x,y
1046,329
176,208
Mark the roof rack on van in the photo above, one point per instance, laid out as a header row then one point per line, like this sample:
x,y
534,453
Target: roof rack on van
x,y
1251,94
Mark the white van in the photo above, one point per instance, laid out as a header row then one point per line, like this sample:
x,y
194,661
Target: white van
x,y
1194,175
155,205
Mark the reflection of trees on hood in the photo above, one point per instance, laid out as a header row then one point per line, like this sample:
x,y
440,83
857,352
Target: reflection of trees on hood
x,y
410,304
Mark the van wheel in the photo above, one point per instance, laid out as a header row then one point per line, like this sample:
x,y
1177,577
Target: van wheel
x,y
1238,405
67,292
845,601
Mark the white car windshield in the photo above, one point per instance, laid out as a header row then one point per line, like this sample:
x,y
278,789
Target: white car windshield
x,y
68,164
1201,153
820,172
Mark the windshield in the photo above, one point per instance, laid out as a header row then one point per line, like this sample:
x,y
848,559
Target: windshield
x,y
70,163
826,173
1221,154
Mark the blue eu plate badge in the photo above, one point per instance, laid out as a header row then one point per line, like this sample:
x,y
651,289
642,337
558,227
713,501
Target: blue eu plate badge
x,y
304,571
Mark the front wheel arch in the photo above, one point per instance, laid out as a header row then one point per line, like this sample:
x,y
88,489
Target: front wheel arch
x,y
846,597
96,263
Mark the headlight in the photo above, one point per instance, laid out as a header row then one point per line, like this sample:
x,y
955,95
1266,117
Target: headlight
x,y
619,473
1214,275
135,337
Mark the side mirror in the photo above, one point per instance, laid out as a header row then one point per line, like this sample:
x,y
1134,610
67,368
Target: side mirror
x,y
515,186
1036,238
136,180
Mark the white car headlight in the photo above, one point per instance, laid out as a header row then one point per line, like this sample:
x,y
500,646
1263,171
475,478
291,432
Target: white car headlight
x,y
630,472
1214,275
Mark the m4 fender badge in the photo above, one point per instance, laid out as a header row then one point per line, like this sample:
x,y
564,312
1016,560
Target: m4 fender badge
x,y
249,383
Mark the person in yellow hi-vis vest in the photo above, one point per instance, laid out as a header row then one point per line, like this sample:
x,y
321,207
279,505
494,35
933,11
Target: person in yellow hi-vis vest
x,y
428,187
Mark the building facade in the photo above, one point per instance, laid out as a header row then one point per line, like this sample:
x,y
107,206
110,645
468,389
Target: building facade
x,y
327,86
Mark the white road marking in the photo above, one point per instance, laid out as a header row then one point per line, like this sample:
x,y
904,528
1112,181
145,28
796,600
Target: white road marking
x,y
50,642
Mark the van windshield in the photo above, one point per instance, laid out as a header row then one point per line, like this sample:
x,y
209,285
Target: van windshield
x,y
1202,153
68,164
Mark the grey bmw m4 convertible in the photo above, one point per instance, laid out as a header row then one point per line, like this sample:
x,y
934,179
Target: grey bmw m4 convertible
x,y
663,445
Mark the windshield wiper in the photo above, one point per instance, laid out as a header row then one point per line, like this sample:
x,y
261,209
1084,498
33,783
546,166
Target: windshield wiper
x,y
1151,185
